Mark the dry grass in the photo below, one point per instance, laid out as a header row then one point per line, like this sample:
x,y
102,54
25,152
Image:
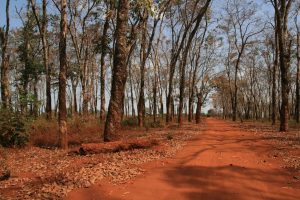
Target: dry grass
x,y
44,133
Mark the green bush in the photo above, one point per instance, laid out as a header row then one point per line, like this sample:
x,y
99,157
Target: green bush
x,y
129,122
12,129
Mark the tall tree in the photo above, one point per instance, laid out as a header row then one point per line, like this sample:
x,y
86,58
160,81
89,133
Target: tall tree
x,y
240,15
104,46
80,30
146,48
119,73
282,8
62,115
179,44
42,27
141,102
5,60
184,58
297,103
274,74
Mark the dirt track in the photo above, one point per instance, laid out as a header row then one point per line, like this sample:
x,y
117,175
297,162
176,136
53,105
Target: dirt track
x,y
223,162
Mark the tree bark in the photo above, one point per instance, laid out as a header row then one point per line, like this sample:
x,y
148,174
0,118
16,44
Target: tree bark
x,y
35,100
104,43
274,71
143,54
281,13
5,62
62,115
297,98
119,73
198,109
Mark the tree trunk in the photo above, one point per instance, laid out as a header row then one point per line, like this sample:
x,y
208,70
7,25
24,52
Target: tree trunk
x,y
198,109
274,89
184,60
46,61
119,73
5,63
42,26
84,84
155,93
141,102
104,43
131,92
35,100
62,115
235,97
176,53
74,87
281,13
297,103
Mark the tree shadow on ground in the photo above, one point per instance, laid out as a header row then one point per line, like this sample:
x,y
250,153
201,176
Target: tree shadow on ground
x,y
233,180
221,183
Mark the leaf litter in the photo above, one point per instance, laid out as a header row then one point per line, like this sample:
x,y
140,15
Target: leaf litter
x,y
51,174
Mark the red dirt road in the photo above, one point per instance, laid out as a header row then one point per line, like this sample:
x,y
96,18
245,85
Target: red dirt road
x,y
223,162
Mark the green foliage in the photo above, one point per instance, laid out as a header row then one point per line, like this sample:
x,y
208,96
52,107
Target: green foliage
x,y
131,122
27,53
12,129
103,45
211,113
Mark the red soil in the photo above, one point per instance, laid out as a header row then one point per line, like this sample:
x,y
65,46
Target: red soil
x,y
223,162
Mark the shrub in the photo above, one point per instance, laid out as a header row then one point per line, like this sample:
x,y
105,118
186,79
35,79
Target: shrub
x,y
12,129
43,133
156,124
129,122
170,136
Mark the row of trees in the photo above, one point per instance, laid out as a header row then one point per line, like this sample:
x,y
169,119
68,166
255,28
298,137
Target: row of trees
x,y
158,58
262,66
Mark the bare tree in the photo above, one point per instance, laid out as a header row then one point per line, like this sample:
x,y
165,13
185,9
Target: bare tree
x,y
241,17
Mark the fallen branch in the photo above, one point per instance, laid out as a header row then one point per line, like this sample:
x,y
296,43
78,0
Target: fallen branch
x,y
117,146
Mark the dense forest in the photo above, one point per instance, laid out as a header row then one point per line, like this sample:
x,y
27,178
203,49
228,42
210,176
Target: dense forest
x,y
159,60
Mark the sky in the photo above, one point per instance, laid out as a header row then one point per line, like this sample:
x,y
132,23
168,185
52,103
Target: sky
x,y
16,22
14,18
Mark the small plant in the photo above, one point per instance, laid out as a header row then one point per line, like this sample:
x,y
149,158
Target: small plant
x,y
130,122
12,129
170,136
